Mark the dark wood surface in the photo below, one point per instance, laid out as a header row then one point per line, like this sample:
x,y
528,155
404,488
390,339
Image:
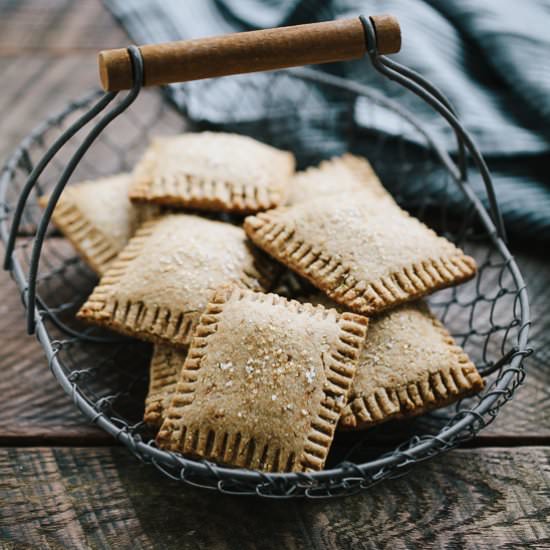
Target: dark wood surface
x,y
74,497
64,485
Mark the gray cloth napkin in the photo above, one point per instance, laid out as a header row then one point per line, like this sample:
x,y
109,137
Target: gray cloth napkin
x,y
491,59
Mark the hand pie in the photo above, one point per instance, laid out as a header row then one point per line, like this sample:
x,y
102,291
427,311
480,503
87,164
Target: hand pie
x,y
164,371
159,284
410,364
98,218
264,382
364,252
332,177
213,171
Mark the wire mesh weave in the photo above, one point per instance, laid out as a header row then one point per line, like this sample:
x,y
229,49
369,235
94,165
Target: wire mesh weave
x,y
107,376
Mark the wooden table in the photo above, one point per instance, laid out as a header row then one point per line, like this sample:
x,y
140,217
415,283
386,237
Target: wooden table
x,y
65,484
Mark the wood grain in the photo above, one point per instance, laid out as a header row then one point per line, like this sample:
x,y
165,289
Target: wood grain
x,y
388,33
33,408
41,42
104,498
57,26
43,76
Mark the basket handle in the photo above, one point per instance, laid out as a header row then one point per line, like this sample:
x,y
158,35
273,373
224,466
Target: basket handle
x,y
248,52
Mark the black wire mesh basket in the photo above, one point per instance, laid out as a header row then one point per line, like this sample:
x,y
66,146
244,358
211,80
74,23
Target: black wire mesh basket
x,y
106,376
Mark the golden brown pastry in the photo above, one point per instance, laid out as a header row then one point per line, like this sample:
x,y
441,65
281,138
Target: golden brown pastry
x,y
159,284
164,371
363,251
332,177
98,218
213,171
410,364
264,382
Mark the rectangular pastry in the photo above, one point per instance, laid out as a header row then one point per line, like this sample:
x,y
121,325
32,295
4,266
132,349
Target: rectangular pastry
x,y
410,364
363,251
332,177
264,382
159,284
213,171
98,218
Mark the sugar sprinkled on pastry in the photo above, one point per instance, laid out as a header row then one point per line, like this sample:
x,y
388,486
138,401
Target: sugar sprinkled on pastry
x,y
264,382
213,171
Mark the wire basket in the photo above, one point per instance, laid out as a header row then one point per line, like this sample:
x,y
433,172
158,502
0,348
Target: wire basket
x,y
106,376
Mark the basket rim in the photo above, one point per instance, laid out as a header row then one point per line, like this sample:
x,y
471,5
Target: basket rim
x,y
417,448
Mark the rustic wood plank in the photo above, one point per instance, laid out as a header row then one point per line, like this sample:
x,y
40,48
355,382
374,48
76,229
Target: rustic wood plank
x,y
104,498
33,407
48,49
57,26
40,76
50,508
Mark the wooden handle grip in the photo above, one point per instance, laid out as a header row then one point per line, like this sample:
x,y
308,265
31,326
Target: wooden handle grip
x,y
248,52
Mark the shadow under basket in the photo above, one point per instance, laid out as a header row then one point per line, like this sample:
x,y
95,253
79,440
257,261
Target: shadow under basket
x,y
106,376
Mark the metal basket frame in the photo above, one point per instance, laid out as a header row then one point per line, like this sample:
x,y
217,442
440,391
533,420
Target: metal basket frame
x,y
347,477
